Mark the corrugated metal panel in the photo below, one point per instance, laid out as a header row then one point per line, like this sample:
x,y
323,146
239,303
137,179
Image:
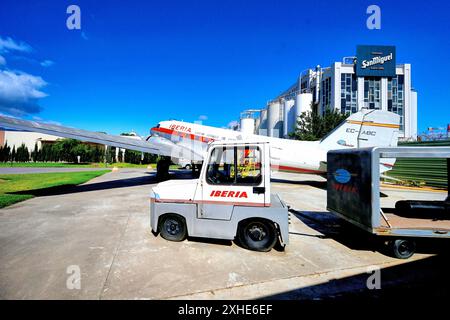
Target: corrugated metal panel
x,y
428,171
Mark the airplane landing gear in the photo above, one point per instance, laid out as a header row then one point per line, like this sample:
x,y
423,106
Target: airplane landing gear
x,y
162,169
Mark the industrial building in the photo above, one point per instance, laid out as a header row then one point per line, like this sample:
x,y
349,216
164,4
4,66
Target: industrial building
x,y
16,138
372,79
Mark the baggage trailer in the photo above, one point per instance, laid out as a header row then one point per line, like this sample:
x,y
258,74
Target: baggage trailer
x,y
353,194
231,199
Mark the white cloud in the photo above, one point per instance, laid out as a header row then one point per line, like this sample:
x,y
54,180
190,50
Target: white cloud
x,y
203,117
47,63
20,92
9,44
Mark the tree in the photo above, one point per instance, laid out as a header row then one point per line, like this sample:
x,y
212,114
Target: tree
x,y
110,154
149,158
82,151
13,154
132,156
312,127
34,154
22,154
120,156
5,153
64,150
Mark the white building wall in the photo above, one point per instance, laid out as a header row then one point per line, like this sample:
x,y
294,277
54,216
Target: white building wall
x,y
17,138
384,94
360,97
407,99
336,85
413,115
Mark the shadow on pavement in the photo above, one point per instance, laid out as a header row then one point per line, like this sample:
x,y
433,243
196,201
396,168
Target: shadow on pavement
x,y
419,279
148,179
354,238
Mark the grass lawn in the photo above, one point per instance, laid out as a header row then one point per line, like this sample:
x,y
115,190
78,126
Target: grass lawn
x,y
49,165
15,187
131,165
77,165
128,165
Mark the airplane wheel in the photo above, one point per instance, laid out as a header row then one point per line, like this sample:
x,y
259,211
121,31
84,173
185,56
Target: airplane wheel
x,y
257,235
162,169
402,248
173,227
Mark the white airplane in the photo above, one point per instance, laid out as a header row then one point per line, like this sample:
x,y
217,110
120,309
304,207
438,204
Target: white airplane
x,y
366,128
182,140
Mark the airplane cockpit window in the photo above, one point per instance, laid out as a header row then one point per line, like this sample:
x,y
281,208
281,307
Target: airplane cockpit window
x,y
153,133
235,165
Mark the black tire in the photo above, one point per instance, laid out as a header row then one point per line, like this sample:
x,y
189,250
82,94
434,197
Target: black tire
x,y
402,248
257,235
162,170
173,227
188,167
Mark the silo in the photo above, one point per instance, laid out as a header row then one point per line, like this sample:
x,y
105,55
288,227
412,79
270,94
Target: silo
x,y
257,124
302,104
289,117
247,125
263,123
274,123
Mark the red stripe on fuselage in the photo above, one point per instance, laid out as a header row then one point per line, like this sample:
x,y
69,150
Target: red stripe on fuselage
x,y
206,140
182,134
294,169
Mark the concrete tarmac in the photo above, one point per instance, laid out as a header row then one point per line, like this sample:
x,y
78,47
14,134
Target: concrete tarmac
x,y
102,229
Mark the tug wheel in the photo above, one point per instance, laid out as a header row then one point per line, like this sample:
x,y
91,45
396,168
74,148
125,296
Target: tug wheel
x,y
173,227
257,235
402,248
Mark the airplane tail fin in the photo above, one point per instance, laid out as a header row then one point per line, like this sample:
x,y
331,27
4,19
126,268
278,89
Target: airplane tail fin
x,y
366,128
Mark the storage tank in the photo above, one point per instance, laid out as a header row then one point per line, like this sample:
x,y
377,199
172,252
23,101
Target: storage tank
x,y
263,123
247,125
302,104
289,117
257,124
274,119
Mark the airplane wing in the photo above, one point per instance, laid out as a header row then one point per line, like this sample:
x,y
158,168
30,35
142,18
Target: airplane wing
x,y
155,145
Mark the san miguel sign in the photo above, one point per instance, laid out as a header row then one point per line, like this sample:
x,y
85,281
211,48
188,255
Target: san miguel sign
x,y
376,61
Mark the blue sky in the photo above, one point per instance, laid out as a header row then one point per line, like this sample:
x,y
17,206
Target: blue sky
x,y
134,63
